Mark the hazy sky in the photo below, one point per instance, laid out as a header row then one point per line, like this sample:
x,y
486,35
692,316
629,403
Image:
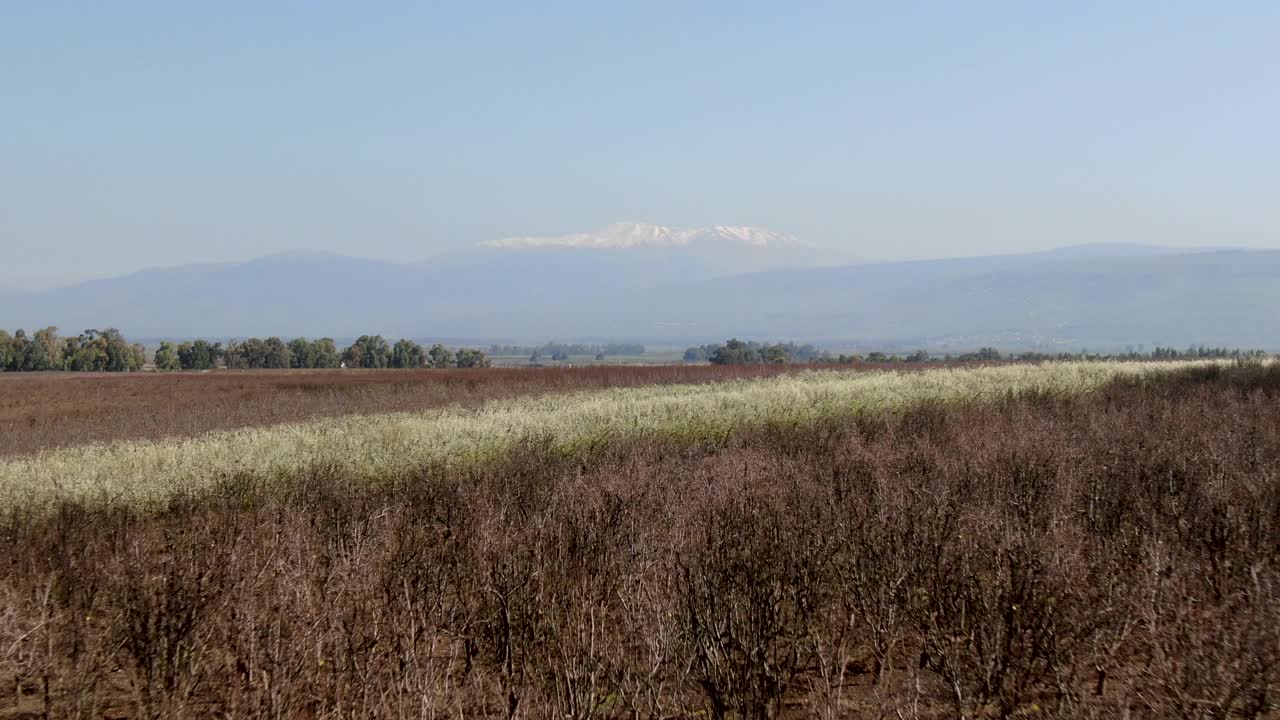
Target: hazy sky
x,y
138,134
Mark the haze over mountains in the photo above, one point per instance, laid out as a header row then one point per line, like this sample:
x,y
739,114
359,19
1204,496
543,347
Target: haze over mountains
x,y
656,283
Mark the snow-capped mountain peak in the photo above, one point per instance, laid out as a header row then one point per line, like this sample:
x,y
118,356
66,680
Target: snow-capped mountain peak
x,y
636,235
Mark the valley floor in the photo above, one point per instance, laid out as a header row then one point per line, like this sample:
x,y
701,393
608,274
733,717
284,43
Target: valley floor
x,y
1086,542
40,411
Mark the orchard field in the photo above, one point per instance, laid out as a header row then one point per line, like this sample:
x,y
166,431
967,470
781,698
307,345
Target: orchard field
x,y
1052,540
39,411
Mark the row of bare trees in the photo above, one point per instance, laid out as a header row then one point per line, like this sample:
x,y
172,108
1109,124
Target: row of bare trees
x,y
1101,557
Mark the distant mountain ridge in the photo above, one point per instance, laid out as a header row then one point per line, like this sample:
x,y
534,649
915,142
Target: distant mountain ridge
x,y
650,282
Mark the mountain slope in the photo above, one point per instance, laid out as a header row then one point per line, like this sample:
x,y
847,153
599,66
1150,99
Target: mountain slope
x,y
1225,297
312,293
689,285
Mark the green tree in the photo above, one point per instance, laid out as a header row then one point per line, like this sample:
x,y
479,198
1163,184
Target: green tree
x,y
137,357
255,353
377,353
734,352
775,355
120,355
199,355
440,356
21,350
233,356
6,351
33,354
185,352
300,353
472,358
275,354
406,354
353,355
87,352
324,353
369,351
166,358
46,350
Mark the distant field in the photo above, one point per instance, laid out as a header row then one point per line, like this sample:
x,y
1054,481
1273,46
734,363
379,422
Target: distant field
x,y
628,404
667,357
39,411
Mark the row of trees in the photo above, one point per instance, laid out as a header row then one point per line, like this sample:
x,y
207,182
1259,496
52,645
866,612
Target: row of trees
x,y
108,351
986,354
196,355
90,351
373,351
739,352
369,351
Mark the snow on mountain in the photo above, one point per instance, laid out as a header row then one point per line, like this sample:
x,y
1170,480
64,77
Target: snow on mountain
x,y
637,235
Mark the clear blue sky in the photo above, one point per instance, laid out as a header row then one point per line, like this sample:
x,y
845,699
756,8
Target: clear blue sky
x,y
154,133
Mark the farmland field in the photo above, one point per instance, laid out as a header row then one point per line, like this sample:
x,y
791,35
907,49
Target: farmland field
x,y
1076,539
650,357
372,448
45,410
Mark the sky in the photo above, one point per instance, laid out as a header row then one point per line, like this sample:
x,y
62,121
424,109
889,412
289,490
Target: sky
x,y
145,134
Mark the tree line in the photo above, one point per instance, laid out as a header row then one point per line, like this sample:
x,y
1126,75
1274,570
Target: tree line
x,y
90,351
108,351
368,351
739,352
1194,352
